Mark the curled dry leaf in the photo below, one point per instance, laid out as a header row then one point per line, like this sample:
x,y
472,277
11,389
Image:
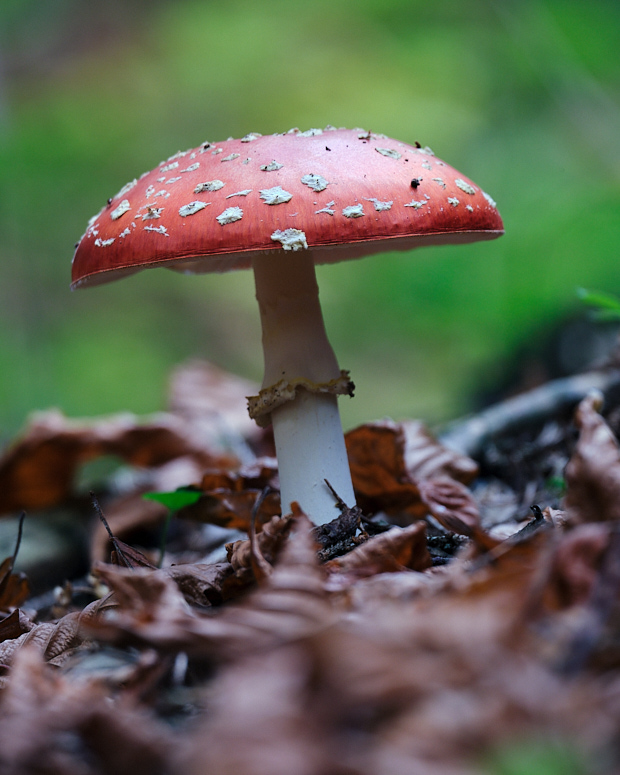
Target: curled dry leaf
x,y
389,460
14,625
203,585
393,551
593,472
37,471
576,564
53,640
575,601
270,540
153,612
14,587
293,601
122,554
425,457
451,503
124,514
14,591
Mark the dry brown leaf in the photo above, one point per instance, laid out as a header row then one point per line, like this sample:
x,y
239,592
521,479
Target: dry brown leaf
x,y
593,472
579,605
124,515
152,612
392,551
270,540
50,724
403,586
14,625
451,503
260,722
423,684
292,602
232,510
201,584
53,640
230,496
389,460
576,564
122,554
38,470
14,587
426,457
450,669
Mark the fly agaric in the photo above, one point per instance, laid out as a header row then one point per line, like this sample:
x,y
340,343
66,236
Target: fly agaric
x,y
280,204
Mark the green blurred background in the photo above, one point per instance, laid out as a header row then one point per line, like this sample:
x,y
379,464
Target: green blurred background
x,y
522,96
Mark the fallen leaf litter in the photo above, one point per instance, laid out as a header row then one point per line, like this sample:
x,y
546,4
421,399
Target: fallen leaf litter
x,y
378,660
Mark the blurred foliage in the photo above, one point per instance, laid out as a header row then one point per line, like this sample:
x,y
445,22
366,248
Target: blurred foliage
x,y
548,757
522,96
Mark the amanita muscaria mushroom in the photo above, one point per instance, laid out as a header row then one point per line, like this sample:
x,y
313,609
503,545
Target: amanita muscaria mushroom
x,y
279,204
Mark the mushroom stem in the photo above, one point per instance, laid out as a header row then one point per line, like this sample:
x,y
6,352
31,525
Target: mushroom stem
x,y
308,431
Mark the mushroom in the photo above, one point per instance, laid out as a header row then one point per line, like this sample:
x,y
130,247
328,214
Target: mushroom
x,y
280,204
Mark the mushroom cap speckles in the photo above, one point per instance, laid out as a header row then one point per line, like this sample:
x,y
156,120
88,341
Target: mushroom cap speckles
x,y
345,189
389,152
230,215
157,230
209,185
327,209
126,188
192,208
290,239
122,208
272,166
464,186
380,206
245,192
353,211
152,213
316,182
489,199
275,196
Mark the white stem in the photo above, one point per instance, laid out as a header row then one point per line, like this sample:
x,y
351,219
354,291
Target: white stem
x,y
310,449
308,432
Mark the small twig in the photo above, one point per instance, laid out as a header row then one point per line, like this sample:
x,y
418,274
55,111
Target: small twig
x,y
470,435
342,527
20,529
125,554
97,507
339,502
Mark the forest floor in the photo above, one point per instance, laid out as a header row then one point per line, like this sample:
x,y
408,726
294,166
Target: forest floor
x,y
463,619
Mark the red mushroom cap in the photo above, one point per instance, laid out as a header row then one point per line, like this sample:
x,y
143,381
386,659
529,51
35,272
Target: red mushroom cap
x,y
215,207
